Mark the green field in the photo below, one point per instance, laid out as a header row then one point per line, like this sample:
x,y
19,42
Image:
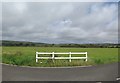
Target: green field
x,y
25,56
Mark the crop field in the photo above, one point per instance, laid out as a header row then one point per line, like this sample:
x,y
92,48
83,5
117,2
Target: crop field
x,y
25,56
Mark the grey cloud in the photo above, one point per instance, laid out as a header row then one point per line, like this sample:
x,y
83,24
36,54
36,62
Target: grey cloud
x,y
60,22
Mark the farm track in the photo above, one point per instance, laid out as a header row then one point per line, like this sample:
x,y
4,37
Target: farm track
x,y
107,72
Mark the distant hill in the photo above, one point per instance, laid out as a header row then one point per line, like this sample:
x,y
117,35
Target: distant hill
x,y
20,43
25,43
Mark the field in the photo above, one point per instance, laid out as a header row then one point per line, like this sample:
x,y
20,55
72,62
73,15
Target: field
x,y
25,56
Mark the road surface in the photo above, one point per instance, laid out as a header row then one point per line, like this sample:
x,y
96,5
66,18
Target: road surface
x,y
107,72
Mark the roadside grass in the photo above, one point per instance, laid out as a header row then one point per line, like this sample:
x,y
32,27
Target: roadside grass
x,y
25,56
0,54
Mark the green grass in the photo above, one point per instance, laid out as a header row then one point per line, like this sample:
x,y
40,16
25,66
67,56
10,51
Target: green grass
x,y
25,56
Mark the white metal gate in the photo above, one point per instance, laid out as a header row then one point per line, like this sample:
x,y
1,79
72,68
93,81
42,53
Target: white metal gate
x,y
70,57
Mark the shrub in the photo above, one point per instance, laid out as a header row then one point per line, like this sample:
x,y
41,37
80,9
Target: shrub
x,y
98,61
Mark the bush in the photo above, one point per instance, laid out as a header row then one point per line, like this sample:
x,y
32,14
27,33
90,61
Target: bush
x,y
16,58
98,61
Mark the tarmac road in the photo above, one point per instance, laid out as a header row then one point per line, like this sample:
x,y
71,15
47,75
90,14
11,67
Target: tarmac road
x,y
107,72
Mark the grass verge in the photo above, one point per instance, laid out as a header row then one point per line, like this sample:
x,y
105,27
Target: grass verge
x,y
25,56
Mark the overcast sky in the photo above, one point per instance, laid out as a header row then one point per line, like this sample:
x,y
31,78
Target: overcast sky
x,y
50,22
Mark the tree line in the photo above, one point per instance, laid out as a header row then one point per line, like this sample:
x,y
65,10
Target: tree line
x,y
24,43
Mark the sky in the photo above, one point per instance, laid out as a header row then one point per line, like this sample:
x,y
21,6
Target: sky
x,y
60,22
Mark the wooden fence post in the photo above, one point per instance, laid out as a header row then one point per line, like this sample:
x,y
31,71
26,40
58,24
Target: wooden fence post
x,y
53,56
86,56
36,57
70,56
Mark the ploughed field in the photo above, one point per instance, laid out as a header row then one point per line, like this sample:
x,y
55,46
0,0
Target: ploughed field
x,y
25,56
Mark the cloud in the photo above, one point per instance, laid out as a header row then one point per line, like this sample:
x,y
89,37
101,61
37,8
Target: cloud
x,y
60,1
52,22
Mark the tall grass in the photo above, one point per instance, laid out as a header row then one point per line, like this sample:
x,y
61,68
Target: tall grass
x,y
26,56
